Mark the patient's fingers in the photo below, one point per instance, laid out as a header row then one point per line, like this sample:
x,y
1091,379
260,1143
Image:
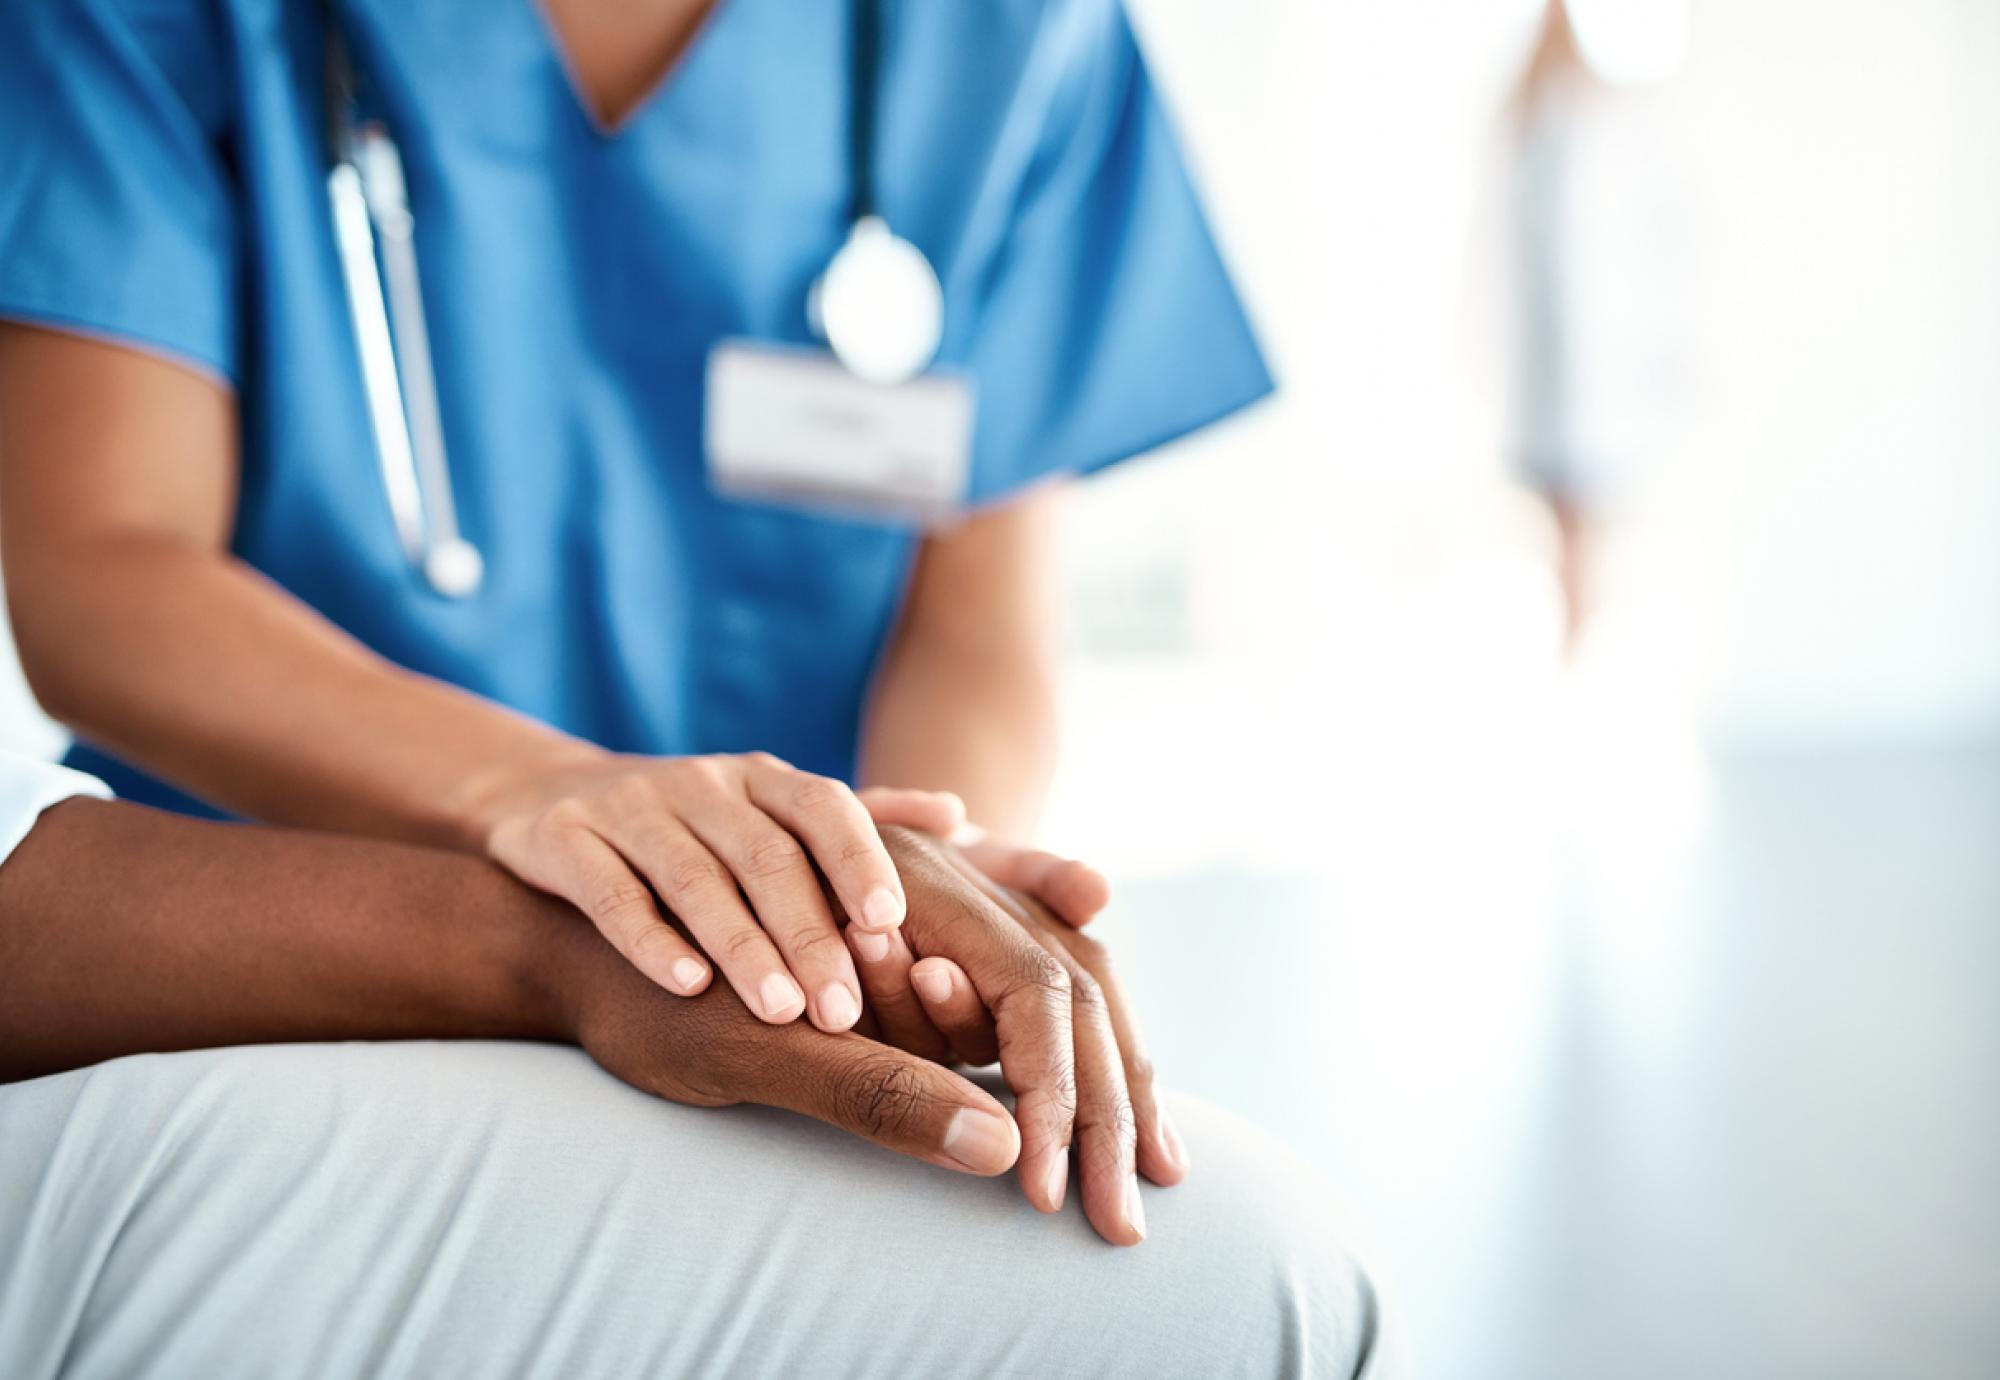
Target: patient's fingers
x,y
955,1009
894,1098
1162,1157
883,961
1021,983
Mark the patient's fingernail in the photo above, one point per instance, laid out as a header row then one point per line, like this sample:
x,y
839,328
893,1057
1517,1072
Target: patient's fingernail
x,y
1171,1138
837,1007
1135,1209
1058,1179
781,995
980,1141
873,948
883,910
689,974
933,983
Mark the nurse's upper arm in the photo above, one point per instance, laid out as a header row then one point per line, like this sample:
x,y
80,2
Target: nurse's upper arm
x,y
100,441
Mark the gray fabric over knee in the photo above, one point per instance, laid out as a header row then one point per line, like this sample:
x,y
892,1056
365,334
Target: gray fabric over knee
x,y
484,1209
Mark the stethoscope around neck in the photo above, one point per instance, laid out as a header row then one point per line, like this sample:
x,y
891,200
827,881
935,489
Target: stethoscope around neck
x,y
879,305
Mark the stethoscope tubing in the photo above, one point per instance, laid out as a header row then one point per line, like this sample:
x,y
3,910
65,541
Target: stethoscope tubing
x,y
374,235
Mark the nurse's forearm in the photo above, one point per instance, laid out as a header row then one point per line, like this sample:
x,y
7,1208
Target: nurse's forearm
x,y
194,666
965,698
985,727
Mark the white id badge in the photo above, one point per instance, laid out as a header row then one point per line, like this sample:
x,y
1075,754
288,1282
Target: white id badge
x,y
788,424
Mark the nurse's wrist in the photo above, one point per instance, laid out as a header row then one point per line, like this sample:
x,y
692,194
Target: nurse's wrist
x,y
499,789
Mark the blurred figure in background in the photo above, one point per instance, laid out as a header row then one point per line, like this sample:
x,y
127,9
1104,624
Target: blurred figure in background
x,y
1593,263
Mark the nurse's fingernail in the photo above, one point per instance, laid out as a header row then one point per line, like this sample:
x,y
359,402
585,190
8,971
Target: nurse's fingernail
x,y
883,910
933,983
781,997
873,948
689,974
979,1141
837,1008
1058,1178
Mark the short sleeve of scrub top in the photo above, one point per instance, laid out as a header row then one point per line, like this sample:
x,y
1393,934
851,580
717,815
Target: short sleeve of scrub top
x,y
162,168
117,217
1107,324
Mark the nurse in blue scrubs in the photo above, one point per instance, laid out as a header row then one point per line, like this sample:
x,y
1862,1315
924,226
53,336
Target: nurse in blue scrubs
x,y
658,691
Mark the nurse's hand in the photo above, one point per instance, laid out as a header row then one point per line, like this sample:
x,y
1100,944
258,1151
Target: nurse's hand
x,y
734,847
1075,892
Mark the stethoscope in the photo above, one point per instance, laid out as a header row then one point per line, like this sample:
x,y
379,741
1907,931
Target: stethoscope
x,y
879,305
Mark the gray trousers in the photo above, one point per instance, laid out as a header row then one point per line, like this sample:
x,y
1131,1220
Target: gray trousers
x,y
488,1209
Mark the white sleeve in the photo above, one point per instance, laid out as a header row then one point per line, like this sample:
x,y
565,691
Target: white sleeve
x,y
28,787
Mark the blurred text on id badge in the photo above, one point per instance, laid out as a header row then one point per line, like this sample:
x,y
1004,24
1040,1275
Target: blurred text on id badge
x,y
789,425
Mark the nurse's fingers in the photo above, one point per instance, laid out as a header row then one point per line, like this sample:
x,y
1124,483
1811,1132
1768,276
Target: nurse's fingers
x,y
824,815
934,812
778,878
569,860
702,892
1076,892
884,960
955,1009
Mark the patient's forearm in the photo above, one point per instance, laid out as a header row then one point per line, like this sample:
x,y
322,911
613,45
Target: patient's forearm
x,y
124,930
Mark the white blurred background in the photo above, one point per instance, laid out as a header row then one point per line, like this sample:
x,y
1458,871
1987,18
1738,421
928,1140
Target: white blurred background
x,y
1636,986
1641,992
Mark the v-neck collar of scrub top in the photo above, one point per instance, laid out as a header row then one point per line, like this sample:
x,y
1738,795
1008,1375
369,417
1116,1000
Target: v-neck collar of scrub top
x,y
659,86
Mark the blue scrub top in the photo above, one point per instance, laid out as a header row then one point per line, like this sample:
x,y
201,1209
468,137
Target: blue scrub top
x,y
162,185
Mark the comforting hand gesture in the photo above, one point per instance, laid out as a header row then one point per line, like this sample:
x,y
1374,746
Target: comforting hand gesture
x,y
1019,986
735,847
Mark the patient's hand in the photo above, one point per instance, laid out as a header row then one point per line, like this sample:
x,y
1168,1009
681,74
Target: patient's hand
x,y
710,1051
994,974
1035,994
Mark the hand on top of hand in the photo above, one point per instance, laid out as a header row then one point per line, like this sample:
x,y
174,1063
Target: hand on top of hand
x,y
735,846
1023,987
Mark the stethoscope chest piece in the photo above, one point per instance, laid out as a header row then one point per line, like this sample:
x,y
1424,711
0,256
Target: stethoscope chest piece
x,y
454,568
879,305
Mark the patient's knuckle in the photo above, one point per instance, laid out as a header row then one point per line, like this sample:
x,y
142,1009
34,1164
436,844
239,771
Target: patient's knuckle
x,y
1112,1115
1139,1070
886,1098
1087,995
1044,974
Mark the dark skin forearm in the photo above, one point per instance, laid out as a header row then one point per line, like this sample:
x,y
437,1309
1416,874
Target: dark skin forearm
x,y
124,930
